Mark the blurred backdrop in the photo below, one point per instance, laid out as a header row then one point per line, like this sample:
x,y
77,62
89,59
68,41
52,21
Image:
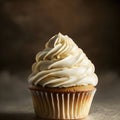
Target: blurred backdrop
x,y
26,25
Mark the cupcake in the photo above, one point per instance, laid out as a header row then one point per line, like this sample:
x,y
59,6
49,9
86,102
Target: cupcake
x,y
63,81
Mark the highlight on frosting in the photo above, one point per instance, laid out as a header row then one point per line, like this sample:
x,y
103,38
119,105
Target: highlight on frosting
x,y
62,64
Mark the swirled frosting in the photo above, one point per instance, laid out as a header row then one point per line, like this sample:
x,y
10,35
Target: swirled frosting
x,y
62,64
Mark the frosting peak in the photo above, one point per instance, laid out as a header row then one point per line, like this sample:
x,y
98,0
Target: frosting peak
x,y
62,64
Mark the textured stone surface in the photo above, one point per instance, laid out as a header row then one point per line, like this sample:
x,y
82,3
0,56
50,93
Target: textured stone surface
x,y
98,112
16,103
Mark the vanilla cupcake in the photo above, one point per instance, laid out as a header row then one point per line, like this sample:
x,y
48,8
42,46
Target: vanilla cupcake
x,y
63,81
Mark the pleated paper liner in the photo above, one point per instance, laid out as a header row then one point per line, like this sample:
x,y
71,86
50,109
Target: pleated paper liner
x,y
62,105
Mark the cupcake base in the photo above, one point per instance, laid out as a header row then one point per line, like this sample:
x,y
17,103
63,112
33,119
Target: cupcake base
x,y
62,103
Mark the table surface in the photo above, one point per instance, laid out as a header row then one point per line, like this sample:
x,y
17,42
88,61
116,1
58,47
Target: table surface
x,y
98,111
16,103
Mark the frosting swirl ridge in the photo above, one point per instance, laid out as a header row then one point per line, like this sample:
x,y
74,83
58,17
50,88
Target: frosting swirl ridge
x,y
62,64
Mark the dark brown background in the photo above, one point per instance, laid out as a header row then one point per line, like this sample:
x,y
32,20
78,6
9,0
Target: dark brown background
x,y
26,25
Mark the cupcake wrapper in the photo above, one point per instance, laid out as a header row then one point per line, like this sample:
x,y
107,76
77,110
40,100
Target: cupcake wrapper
x,y
51,105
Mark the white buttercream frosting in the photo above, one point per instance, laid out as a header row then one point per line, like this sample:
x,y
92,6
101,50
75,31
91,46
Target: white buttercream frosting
x,y
62,64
